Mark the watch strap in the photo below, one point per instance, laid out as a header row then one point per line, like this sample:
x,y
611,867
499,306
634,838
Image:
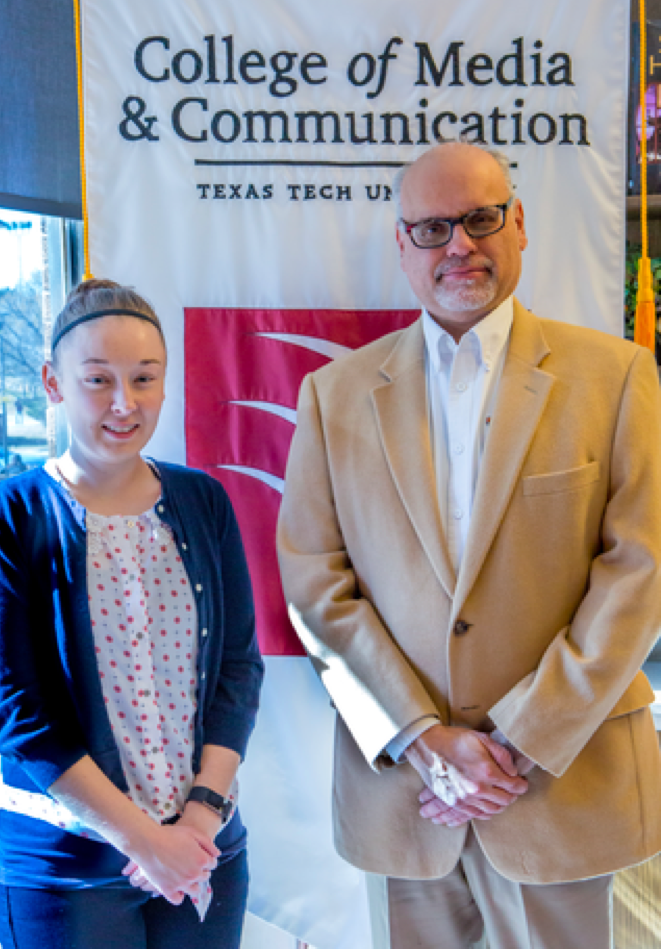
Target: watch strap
x,y
223,806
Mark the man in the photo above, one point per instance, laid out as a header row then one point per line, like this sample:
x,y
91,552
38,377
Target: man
x,y
469,543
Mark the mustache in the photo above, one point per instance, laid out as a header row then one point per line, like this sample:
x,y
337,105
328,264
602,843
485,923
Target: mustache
x,y
459,263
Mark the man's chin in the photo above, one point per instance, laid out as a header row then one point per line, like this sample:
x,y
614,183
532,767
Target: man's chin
x,y
465,299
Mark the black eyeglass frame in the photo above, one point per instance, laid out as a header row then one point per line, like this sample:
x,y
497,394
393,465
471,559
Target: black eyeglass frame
x,y
453,221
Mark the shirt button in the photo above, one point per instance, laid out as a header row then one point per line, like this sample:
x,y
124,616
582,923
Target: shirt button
x,y
205,632
146,692
457,514
155,751
131,523
458,448
160,508
184,546
461,387
198,587
139,635
167,806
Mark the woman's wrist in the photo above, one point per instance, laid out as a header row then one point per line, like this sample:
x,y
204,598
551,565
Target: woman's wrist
x,y
202,818
91,797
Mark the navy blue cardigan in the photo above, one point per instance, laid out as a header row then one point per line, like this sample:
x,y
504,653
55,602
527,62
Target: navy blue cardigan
x,y
52,710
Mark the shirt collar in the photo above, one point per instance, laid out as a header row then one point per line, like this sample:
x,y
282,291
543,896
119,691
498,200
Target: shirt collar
x,y
489,336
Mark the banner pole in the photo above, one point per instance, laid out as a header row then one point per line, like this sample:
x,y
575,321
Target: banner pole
x,y
81,128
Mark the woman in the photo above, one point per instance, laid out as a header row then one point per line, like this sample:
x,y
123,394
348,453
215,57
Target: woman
x,y
129,671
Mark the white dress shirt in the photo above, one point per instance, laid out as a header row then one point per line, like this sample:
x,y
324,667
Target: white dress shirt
x,y
462,384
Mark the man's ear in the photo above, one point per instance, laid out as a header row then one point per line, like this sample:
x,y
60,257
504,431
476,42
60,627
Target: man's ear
x,y
401,237
520,224
51,383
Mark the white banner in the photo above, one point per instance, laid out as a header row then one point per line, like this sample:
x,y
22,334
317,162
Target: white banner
x,y
239,165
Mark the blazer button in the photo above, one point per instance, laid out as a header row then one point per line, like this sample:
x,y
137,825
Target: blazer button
x,y
461,627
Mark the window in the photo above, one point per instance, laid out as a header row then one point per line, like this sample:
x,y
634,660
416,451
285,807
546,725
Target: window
x,y
39,262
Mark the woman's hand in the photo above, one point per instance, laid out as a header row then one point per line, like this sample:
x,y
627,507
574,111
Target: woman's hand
x,y
137,878
174,861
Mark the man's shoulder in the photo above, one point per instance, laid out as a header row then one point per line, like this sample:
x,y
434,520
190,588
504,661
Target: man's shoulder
x,y
586,338
362,366
579,348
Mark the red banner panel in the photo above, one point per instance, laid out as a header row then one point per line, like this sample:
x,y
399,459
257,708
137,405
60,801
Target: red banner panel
x,y
243,372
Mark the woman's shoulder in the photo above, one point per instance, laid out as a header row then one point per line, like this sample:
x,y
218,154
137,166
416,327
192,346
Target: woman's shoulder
x,y
189,482
28,486
28,502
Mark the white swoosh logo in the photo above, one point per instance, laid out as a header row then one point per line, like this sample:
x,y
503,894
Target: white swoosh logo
x,y
316,345
322,346
282,411
272,481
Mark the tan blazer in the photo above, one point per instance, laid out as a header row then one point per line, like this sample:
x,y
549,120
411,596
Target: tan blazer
x,y
543,633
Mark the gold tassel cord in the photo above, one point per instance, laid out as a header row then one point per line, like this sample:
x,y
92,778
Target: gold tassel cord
x,y
81,125
645,321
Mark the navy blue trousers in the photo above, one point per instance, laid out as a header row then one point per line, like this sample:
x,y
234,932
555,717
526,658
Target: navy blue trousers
x,y
123,917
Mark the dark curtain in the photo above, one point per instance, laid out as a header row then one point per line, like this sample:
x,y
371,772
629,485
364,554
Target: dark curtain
x,y
39,163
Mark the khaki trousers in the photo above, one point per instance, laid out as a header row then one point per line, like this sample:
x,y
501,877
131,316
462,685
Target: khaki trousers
x,y
474,906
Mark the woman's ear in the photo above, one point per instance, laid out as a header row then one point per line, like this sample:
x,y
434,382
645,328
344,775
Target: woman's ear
x,y
51,383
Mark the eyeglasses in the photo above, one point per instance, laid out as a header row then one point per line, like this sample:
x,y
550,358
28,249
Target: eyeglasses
x,y
437,231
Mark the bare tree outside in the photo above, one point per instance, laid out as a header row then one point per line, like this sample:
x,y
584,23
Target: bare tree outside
x,y
22,343
22,400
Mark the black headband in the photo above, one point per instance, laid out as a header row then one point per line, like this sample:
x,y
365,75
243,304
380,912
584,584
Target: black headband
x,y
119,311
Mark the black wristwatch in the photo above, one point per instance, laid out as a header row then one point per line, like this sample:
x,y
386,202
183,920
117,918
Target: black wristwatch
x,y
223,806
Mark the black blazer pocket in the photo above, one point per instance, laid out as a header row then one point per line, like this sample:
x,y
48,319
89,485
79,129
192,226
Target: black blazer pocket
x,y
559,481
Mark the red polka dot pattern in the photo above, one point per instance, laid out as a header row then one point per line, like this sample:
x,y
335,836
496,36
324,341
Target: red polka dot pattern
x,y
134,575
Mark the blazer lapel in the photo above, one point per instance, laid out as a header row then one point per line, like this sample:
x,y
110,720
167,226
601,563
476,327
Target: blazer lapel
x,y
401,410
522,396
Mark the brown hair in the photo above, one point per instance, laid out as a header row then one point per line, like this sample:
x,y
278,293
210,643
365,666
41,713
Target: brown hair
x,y
94,296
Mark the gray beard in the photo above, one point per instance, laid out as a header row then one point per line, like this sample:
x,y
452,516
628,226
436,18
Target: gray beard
x,y
467,298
